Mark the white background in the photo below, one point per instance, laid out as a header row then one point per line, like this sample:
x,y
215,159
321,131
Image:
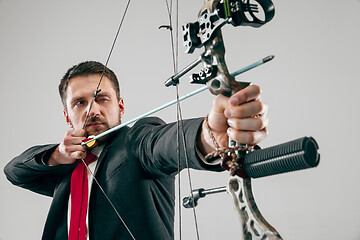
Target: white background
x,y
312,88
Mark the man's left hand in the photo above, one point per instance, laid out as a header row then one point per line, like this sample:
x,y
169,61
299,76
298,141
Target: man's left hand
x,y
242,117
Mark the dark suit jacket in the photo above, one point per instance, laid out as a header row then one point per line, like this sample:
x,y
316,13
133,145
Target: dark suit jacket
x,y
136,170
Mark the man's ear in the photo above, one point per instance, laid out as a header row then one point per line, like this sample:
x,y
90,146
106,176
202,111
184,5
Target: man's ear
x,y
121,106
67,119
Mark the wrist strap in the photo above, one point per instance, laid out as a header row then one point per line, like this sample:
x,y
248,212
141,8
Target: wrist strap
x,y
232,156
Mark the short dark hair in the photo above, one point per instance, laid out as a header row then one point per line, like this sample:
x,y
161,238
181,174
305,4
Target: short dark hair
x,y
85,69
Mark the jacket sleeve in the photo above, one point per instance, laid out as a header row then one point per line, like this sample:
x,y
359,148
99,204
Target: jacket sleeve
x,y
28,171
155,144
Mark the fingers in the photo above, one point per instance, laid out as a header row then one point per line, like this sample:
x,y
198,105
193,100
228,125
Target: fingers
x,y
247,137
247,116
74,136
249,124
246,110
71,148
250,130
242,117
247,94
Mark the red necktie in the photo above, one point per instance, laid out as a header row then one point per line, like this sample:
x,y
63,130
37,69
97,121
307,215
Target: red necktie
x,y
79,199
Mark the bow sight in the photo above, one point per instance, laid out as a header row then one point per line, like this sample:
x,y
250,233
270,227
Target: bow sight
x,y
236,12
212,17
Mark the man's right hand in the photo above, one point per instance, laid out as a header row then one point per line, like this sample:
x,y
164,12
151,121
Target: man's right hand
x,y
69,149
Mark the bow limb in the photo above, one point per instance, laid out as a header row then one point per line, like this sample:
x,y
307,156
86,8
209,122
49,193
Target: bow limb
x,y
253,223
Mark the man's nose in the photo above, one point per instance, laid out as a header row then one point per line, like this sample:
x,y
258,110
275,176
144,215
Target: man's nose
x,y
94,110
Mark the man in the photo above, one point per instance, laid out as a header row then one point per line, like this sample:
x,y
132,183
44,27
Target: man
x,y
132,196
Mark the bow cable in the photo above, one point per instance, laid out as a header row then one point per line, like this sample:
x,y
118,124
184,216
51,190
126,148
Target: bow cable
x,y
180,127
174,54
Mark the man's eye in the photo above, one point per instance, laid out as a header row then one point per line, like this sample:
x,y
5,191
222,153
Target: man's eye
x,y
78,103
103,99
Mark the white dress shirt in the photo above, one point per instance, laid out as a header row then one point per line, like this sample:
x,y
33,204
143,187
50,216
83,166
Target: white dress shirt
x,y
97,151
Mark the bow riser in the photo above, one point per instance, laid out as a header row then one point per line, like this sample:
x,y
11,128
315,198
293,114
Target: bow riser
x,y
216,75
223,83
254,224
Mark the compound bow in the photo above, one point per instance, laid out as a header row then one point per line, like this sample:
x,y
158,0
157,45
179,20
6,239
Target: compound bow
x,y
295,155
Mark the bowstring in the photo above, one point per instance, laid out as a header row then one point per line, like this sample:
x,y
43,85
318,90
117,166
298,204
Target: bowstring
x,y
180,126
107,61
108,199
88,114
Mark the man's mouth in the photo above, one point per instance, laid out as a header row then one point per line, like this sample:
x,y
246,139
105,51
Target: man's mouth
x,y
95,124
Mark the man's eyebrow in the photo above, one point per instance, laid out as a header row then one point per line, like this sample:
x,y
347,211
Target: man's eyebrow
x,y
103,94
100,94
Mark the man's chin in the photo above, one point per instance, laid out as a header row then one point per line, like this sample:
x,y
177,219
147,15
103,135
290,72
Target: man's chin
x,y
91,131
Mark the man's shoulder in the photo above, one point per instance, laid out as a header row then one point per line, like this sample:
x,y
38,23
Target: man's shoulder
x,y
126,132
149,120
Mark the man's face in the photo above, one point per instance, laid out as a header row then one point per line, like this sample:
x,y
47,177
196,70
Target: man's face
x,y
106,111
